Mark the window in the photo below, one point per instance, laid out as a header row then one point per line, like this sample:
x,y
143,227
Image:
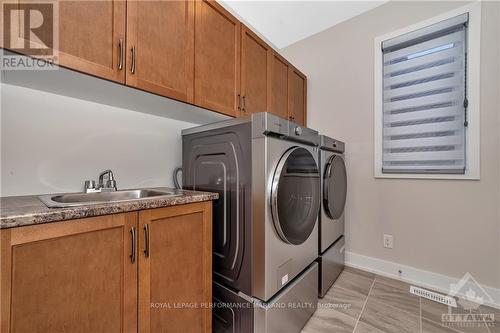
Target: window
x,y
424,109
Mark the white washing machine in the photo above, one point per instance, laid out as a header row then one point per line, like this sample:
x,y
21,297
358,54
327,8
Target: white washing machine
x,y
331,219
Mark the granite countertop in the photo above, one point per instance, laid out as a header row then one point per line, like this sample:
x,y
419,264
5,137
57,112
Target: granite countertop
x,y
28,210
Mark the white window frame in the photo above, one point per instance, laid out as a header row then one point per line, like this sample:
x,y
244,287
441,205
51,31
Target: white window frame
x,y
473,147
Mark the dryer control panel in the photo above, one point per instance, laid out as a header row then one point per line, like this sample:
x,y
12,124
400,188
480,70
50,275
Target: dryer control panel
x,y
327,143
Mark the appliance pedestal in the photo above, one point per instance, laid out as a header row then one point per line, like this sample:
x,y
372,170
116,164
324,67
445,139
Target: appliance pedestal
x,y
331,263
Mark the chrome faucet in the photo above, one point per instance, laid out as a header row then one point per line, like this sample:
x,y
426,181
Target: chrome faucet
x,y
110,184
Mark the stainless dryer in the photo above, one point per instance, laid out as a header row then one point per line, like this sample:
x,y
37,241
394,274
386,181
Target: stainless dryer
x,y
331,219
265,232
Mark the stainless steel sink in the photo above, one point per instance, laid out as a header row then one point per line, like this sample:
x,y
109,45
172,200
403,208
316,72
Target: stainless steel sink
x,y
84,199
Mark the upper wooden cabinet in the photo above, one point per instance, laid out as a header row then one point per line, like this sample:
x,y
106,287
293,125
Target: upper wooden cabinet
x,y
217,58
288,90
160,47
279,86
192,51
70,276
255,73
92,37
297,90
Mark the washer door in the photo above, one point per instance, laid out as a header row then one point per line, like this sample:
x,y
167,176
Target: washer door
x,y
295,193
335,187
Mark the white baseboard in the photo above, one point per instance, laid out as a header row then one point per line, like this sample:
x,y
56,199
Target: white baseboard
x,y
414,275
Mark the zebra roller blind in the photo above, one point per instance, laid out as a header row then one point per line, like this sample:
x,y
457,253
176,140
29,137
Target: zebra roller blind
x,y
424,99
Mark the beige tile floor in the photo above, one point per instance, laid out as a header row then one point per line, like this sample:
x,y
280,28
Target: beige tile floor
x,y
362,302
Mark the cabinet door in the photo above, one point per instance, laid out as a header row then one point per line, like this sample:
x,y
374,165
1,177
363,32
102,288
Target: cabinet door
x,y
160,47
74,276
297,86
92,37
175,268
255,73
217,59
279,86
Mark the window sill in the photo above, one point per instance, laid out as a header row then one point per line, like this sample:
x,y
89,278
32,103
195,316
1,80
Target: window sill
x,y
466,176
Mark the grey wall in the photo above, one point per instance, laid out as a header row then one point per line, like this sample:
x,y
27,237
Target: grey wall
x,y
52,143
443,226
61,127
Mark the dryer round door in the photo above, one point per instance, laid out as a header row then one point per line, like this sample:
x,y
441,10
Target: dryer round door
x,y
295,195
335,187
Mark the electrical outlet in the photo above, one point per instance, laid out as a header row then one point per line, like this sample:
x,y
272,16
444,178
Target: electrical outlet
x,y
388,243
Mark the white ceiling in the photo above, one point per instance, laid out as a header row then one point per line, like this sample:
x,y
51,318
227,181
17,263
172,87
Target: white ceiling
x,y
286,22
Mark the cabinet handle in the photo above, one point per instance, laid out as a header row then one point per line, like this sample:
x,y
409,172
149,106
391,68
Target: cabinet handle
x,y
146,240
120,54
239,102
244,103
134,244
132,66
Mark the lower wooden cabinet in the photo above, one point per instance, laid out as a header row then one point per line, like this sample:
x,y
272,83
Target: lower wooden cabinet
x,y
73,276
175,269
148,271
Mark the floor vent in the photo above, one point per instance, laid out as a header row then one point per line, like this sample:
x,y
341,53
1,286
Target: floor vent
x,y
443,299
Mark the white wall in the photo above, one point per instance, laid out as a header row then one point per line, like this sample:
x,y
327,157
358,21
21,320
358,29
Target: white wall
x,y
52,143
443,226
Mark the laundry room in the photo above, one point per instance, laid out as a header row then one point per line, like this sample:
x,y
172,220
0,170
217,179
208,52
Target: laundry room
x,y
250,166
